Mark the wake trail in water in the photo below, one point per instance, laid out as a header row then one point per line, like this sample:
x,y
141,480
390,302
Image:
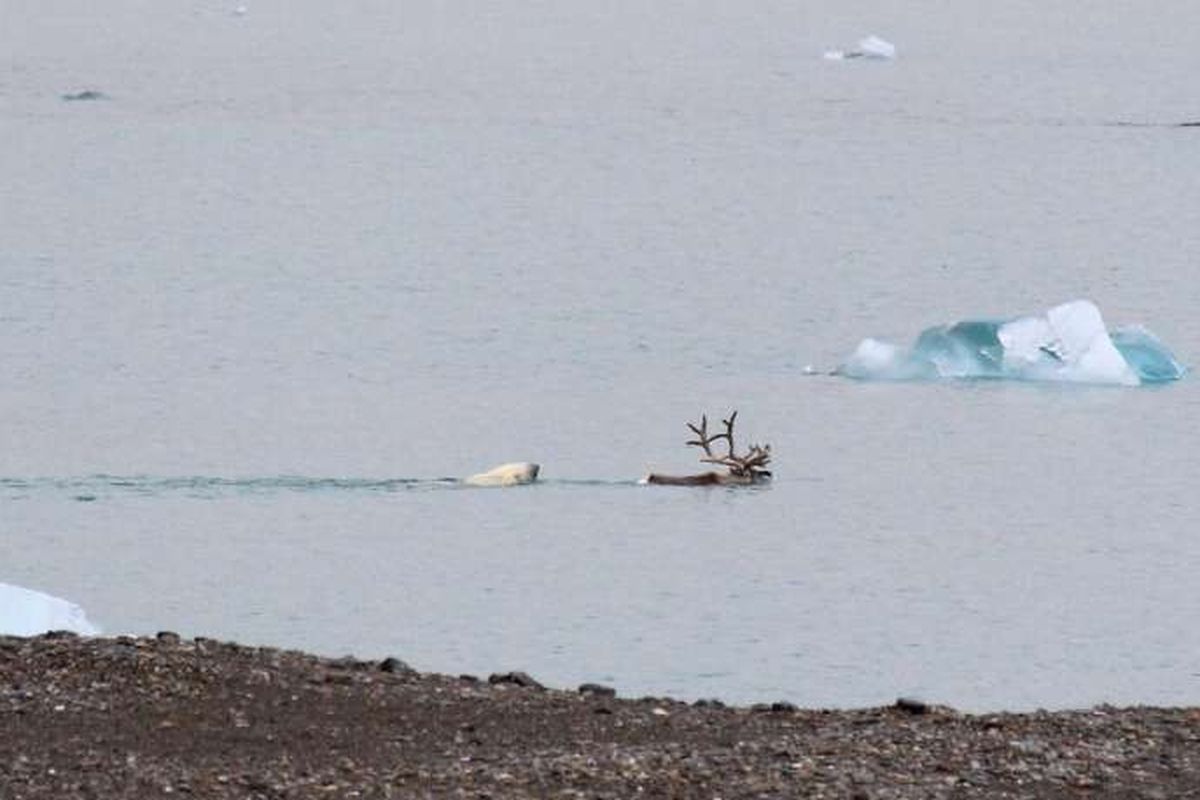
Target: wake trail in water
x,y
93,487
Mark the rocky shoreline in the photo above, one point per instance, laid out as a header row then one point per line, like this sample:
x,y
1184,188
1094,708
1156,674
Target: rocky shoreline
x,y
152,717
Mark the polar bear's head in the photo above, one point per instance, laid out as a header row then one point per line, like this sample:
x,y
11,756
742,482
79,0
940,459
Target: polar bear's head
x,y
516,473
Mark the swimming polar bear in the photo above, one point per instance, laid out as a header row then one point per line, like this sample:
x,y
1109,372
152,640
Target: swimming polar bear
x,y
517,473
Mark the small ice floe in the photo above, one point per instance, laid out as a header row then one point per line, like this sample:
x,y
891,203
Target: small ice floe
x,y
24,612
240,11
517,473
872,48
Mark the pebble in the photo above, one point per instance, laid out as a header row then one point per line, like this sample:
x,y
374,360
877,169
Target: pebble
x,y
912,705
709,702
522,679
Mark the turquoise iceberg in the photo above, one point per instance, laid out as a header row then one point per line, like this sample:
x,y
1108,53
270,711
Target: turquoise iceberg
x,y
1068,343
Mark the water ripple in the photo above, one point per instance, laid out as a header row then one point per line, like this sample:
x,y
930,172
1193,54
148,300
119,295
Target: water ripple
x,y
90,487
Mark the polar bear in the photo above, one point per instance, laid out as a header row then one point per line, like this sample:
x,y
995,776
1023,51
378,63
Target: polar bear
x,y
516,473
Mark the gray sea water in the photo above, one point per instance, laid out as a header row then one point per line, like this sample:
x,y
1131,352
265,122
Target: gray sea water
x,y
303,259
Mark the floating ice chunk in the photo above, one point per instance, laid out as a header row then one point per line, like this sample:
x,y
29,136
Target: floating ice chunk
x,y
1068,343
24,612
872,47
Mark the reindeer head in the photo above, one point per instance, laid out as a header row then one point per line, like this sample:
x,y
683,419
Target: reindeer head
x,y
749,467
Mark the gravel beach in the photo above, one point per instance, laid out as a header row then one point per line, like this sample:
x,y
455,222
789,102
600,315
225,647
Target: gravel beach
x,y
152,717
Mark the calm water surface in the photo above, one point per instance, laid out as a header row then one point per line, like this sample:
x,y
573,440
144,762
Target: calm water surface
x,y
306,260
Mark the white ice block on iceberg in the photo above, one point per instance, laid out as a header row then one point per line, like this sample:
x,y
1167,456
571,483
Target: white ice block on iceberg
x,y
1069,343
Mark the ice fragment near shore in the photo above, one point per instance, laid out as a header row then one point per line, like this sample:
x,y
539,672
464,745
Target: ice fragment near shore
x,y
24,612
1068,343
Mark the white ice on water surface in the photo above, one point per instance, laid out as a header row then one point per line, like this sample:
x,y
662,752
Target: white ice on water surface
x,y
25,612
872,47
1068,343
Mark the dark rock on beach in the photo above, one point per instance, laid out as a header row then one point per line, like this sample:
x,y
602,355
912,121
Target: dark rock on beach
x,y
163,716
522,679
391,664
912,705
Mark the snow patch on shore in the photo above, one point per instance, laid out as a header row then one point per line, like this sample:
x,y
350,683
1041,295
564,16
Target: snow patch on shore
x,y
25,612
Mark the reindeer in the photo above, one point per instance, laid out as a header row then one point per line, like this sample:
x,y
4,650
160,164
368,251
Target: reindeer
x,y
743,470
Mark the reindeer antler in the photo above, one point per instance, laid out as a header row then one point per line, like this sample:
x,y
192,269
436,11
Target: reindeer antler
x,y
705,440
752,462
748,465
